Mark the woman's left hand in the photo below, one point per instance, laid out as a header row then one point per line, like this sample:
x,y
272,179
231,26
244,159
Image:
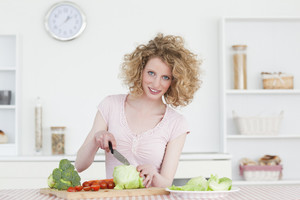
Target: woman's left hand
x,y
147,171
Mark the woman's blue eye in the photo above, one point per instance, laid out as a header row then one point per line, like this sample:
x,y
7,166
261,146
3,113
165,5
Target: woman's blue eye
x,y
151,73
166,78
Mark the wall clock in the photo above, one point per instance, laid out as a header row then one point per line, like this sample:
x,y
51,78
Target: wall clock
x,y
65,21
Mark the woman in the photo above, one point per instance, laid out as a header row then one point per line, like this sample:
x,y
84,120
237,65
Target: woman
x,y
141,125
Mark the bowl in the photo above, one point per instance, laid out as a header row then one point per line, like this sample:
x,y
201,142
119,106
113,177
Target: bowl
x,y
5,97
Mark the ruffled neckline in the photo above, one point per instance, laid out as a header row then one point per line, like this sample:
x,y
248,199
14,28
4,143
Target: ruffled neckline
x,y
125,124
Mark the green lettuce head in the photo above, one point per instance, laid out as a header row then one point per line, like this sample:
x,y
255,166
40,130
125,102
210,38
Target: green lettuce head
x,y
200,182
221,184
127,177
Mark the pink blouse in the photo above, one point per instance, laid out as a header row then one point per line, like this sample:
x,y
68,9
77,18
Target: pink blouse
x,y
145,148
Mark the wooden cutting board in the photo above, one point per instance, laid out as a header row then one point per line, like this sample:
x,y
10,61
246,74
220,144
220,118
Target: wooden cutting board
x,y
104,193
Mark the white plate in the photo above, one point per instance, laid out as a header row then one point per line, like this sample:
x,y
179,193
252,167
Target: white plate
x,y
202,194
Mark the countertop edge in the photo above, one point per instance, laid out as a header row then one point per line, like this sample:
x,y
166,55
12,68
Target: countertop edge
x,y
101,157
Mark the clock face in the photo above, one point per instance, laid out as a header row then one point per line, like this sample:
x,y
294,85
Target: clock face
x,y
65,21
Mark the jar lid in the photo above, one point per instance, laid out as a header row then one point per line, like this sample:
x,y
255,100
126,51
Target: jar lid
x,y
57,127
239,47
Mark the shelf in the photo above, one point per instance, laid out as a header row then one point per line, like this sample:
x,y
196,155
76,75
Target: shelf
x,y
9,80
263,136
262,92
7,107
258,34
7,69
280,182
7,145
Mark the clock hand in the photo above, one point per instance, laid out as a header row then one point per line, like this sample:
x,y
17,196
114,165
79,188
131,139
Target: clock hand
x,y
66,20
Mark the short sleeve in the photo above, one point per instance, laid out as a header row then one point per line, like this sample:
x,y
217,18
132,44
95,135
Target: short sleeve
x,y
104,108
180,127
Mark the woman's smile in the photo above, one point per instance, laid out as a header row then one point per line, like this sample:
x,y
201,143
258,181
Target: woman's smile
x,y
153,91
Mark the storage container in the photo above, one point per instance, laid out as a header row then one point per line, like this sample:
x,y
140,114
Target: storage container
x,y
277,81
261,172
58,140
258,125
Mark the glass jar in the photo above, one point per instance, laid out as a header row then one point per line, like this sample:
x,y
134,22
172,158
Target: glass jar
x,y
58,140
38,126
240,66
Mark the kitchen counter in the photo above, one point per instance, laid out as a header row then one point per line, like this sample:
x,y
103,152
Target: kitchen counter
x,y
291,192
101,158
36,169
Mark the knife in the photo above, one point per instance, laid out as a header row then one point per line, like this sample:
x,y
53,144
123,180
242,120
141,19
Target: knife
x,y
117,155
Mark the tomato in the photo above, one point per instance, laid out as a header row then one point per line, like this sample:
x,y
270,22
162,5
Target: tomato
x,y
95,187
110,185
95,182
71,189
103,185
108,180
88,188
78,187
86,184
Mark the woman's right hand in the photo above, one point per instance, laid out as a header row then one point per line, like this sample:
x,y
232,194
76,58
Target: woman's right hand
x,y
102,138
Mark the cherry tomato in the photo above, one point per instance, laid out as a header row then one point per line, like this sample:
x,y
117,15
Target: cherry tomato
x,y
95,183
71,189
86,184
95,187
103,185
78,187
108,180
110,185
88,188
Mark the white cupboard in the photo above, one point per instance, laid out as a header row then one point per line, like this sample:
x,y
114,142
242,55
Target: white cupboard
x,y
273,45
9,80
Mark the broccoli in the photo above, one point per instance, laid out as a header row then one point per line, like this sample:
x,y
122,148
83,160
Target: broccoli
x,y
64,177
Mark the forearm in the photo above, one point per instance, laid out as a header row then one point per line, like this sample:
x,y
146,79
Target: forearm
x,y
160,181
85,155
167,172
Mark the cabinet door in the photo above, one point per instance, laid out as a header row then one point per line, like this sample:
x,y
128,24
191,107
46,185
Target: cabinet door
x,y
35,174
190,169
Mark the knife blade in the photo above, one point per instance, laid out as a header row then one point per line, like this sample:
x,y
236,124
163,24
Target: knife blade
x,y
117,155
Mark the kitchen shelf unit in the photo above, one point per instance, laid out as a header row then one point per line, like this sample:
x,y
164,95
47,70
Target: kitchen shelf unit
x,y
273,45
9,80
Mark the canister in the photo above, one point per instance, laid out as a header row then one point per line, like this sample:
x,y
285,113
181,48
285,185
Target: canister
x,y
58,140
240,66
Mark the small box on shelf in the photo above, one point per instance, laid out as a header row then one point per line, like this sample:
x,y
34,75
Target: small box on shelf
x,y
261,172
268,168
277,80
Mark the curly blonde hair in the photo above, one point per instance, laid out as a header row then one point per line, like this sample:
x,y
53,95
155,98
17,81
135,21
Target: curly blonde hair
x,y
184,66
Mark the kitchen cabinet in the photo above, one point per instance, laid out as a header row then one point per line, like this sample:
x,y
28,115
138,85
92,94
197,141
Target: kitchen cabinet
x,y
273,45
9,75
36,169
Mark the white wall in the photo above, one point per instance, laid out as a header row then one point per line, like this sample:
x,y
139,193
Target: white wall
x,y
72,77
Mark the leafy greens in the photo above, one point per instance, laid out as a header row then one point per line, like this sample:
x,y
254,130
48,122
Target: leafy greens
x,y
127,177
201,184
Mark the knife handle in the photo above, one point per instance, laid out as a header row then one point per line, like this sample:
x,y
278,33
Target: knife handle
x,y
110,147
